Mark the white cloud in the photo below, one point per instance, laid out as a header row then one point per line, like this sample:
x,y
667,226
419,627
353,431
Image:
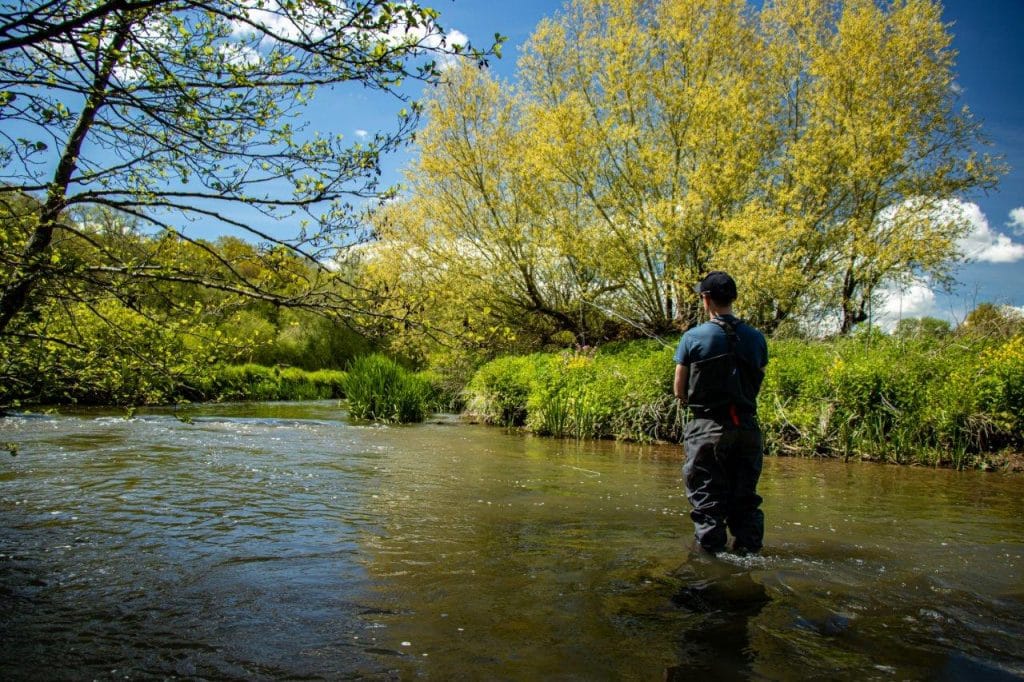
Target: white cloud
x,y
240,55
454,37
1017,220
275,23
904,302
982,243
271,20
457,37
916,300
361,134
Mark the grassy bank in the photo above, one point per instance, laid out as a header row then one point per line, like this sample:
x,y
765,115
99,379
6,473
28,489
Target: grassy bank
x,y
376,388
256,382
952,401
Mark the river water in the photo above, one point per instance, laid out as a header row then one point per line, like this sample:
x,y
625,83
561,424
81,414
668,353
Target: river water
x,y
283,541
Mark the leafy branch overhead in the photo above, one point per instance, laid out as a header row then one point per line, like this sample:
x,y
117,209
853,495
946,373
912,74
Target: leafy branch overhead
x,y
171,112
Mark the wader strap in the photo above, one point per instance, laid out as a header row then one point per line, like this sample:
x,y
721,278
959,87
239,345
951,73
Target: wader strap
x,y
730,333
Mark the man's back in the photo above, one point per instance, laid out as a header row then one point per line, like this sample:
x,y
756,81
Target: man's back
x,y
711,355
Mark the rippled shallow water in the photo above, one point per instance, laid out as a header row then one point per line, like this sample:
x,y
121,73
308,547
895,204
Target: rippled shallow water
x,y
271,541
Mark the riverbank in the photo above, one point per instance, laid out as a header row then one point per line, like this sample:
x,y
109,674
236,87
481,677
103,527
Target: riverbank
x,y
955,401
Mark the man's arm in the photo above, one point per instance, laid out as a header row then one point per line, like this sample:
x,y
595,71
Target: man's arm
x,y
679,385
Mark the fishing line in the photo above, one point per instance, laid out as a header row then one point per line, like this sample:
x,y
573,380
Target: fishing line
x,y
630,322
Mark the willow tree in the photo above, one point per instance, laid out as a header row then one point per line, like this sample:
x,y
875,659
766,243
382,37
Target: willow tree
x,y
872,141
653,114
179,112
807,146
478,235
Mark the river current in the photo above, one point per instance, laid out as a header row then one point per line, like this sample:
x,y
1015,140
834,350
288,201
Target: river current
x,y
285,541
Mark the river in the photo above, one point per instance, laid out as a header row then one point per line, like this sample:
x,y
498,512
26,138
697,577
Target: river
x,y
283,541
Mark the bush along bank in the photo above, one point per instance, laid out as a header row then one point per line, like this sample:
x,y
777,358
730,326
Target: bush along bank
x,y
212,383
379,389
951,401
376,387
621,391
256,382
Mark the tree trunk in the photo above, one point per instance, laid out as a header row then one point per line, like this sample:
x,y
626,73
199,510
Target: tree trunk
x,y
35,256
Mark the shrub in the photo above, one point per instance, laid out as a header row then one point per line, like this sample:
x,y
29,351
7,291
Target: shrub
x,y
380,389
927,399
498,392
623,393
256,382
990,395
245,382
930,398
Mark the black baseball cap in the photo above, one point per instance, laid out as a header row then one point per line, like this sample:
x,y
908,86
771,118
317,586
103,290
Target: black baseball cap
x,y
719,285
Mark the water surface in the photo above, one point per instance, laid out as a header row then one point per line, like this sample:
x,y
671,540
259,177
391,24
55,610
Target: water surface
x,y
270,541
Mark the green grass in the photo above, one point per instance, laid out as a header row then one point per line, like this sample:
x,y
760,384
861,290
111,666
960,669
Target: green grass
x,y
256,382
950,401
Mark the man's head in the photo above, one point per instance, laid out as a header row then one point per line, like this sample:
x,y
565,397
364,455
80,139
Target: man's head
x,y
719,287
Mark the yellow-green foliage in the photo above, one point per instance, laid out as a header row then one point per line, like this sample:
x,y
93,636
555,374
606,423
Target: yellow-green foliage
x,y
936,400
1001,388
499,390
619,391
106,353
984,395
807,146
930,400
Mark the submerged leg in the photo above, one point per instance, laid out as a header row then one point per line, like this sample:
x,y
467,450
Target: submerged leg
x,y
706,484
746,520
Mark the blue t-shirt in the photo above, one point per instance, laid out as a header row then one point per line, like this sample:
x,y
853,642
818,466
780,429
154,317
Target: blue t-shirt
x,y
721,383
709,340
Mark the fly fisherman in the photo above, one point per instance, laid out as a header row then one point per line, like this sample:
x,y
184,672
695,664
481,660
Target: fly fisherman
x,y
719,368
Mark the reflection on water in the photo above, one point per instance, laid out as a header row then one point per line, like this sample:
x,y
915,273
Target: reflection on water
x,y
282,540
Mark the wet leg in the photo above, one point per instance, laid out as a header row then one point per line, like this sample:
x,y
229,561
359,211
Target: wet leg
x,y
746,520
706,484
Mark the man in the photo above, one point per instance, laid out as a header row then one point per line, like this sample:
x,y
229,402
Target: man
x,y
719,368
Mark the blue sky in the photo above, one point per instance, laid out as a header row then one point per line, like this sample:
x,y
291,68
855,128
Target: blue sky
x,y
990,73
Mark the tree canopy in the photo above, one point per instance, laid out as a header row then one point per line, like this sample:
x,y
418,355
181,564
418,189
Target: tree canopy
x,y
169,113
807,146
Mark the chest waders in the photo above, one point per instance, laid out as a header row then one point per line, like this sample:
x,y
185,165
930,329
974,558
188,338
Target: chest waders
x,y
723,449
723,387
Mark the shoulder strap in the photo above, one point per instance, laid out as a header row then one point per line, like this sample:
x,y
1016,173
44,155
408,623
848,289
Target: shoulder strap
x,y
730,330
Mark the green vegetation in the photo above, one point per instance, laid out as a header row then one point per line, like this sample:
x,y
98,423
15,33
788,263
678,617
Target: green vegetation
x,y
929,399
380,389
206,122
107,295
815,149
921,400
255,382
119,383
622,390
572,207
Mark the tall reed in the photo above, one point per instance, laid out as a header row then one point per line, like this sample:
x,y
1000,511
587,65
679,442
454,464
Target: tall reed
x,y
379,389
